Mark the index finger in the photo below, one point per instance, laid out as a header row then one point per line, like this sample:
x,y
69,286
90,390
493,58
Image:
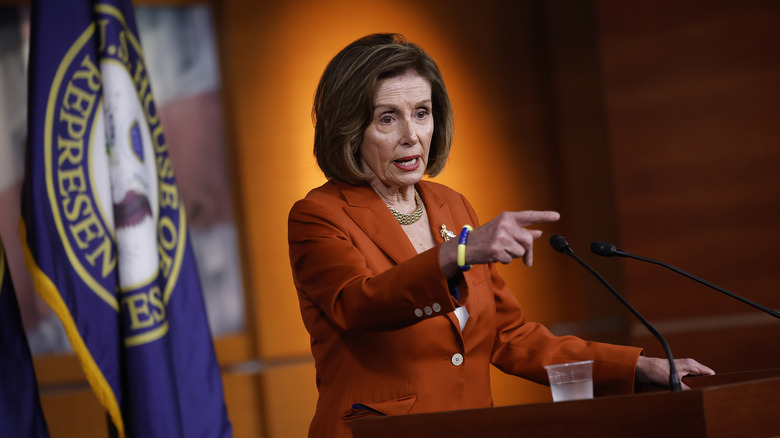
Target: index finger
x,y
534,217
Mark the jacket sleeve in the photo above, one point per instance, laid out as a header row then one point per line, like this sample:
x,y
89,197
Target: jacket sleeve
x,y
334,275
523,348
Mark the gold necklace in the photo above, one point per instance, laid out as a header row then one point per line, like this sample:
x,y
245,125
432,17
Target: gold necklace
x,y
408,219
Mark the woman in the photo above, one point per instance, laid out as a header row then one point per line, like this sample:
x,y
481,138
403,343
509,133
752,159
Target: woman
x,y
400,321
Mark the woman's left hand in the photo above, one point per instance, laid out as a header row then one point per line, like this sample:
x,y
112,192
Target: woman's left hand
x,y
656,370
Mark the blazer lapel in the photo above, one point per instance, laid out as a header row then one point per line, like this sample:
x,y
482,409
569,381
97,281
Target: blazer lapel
x,y
439,215
374,218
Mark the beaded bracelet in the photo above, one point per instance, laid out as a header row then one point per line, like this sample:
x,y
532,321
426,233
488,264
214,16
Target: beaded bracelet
x,y
464,235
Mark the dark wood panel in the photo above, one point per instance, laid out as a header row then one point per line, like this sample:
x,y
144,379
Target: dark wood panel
x,y
724,350
693,98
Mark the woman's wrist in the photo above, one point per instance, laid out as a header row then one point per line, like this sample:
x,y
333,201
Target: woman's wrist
x,y
448,258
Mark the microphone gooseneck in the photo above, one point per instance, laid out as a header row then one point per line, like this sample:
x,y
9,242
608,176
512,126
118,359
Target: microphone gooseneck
x,y
608,250
561,245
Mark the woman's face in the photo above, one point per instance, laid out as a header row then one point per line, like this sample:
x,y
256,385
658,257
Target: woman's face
x,y
395,145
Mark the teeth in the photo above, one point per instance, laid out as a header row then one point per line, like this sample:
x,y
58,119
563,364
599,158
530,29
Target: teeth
x,y
407,163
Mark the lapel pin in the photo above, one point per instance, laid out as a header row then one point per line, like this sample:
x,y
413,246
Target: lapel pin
x,y
446,234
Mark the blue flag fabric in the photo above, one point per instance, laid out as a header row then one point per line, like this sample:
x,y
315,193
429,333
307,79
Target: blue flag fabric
x,y
104,230
20,404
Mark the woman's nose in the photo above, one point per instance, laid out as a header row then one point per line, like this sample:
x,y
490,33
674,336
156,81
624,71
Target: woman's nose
x,y
408,132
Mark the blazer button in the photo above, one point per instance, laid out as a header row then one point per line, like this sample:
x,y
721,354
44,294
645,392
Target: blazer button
x,y
457,359
428,311
418,312
436,307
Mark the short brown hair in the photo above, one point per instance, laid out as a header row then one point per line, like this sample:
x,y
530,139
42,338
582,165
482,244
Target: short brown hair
x,y
343,104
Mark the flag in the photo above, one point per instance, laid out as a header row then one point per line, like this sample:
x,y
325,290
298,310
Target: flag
x,y
104,229
20,405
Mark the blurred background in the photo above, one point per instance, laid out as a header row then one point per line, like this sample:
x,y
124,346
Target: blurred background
x,y
650,125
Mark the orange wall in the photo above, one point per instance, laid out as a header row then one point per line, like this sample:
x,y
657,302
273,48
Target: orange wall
x,y
273,54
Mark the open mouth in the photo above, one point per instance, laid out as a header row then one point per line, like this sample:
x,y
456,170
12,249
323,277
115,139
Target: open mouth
x,y
407,163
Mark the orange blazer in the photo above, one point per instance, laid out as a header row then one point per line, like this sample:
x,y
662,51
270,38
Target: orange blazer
x,y
384,335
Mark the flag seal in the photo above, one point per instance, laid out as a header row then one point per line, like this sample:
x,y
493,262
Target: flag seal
x,y
110,180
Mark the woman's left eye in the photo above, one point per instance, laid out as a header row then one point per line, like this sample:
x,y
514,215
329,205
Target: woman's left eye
x,y
423,113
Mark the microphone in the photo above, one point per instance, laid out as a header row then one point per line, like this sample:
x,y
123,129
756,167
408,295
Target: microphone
x,y
608,250
560,244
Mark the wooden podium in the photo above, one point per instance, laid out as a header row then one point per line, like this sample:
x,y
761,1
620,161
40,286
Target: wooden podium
x,y
729,405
